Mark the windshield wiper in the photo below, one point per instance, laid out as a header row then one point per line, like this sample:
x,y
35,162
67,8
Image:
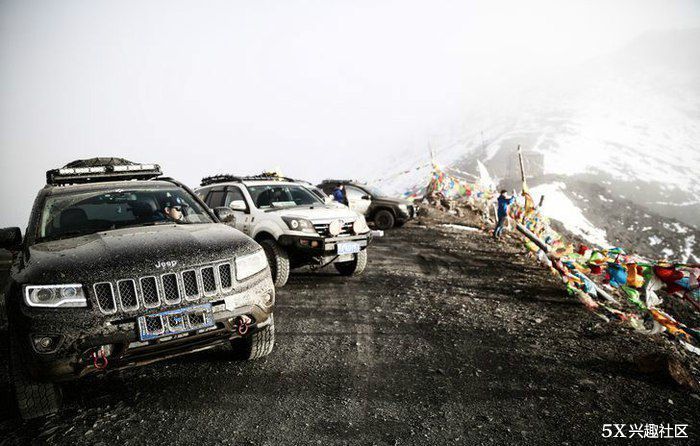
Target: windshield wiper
x,y
64,235
145,223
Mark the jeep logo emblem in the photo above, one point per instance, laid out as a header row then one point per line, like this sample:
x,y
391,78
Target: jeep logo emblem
x,y
168,264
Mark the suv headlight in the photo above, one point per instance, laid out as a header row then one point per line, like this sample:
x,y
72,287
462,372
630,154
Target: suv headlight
x,y
250,264
360,225
299,224
54,296
404,208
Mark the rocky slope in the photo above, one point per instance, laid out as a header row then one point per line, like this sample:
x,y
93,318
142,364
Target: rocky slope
x,y
612,145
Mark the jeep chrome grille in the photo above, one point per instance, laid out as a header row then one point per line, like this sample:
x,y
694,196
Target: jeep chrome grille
x,y
149,290
225,278
171,289
105,297
167,289
191,284
208,280
127,294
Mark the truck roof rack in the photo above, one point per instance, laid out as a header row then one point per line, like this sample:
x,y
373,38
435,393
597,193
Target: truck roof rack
x,y
101,169
227,178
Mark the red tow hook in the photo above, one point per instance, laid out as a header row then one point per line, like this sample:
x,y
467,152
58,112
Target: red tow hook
x,y
99,359
243,324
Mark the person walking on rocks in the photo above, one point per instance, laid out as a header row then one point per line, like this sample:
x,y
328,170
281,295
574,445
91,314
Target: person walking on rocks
x,y
503,203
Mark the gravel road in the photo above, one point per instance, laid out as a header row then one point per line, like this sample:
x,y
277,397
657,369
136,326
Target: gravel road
x,y
449,337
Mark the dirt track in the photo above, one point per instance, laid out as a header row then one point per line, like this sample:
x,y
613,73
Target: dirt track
x,y
448,337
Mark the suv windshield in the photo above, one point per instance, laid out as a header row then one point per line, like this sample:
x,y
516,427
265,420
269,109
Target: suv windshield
x,y
73,214
374,191
282,195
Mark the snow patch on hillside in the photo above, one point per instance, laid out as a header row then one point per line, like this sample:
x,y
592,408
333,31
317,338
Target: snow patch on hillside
x,y
558,206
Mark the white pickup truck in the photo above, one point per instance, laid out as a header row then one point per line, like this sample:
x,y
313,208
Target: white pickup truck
x,y
294,225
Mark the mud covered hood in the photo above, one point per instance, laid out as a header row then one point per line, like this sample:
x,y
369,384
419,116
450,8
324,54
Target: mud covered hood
x,y
133,252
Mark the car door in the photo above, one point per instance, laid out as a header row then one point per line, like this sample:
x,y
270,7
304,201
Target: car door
x,y
235,200
215,197
358,199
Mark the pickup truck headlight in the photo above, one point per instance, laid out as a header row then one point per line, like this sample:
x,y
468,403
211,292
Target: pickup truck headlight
x,y
55,296
360,225
250,264
299,224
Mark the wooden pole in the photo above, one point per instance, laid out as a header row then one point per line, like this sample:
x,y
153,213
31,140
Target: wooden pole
x,y
522,168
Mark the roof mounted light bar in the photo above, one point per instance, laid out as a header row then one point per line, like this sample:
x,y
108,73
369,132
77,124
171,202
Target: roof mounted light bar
x,y
74,175
226,178
136,167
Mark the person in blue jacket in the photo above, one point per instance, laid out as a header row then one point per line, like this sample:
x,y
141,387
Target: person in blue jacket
x,y
503,203
339,194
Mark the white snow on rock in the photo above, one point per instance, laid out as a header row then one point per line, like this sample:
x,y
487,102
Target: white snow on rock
x,y
558,206
688,255
654,240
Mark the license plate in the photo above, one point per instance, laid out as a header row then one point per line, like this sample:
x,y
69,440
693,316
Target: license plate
x,y
172,322
348,248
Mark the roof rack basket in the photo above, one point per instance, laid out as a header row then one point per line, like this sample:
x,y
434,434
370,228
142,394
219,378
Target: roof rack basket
x,y
101,169
227,178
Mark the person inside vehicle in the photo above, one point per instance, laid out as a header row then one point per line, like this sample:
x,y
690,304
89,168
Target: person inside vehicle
x,y
339,194
503,203
173,212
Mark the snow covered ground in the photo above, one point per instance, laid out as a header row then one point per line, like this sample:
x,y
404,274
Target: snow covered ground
x,y
612,146
560,207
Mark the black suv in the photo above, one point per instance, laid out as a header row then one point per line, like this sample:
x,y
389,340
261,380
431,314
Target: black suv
x,y
119,267
385,212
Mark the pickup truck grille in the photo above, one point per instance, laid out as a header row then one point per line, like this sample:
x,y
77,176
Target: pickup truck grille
x,y
166,289
322,229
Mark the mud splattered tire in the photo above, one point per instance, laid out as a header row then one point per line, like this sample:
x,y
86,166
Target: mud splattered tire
x,y
279,262
257,345
355,267
384,219
34,399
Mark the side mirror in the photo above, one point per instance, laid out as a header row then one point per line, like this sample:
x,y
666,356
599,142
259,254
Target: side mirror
x,y
237,205
225,215
10,239
366,197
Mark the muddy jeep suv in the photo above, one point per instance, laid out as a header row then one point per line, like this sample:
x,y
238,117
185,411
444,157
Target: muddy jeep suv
x,y
385,212
294,225
119,267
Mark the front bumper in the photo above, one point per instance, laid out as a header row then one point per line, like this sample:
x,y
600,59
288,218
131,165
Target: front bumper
x,y
319,246
73,357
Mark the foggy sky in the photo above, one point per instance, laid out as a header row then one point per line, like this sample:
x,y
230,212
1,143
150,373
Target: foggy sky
x,y
314,88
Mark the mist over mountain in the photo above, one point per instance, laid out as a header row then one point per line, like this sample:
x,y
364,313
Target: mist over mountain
x,y
612,144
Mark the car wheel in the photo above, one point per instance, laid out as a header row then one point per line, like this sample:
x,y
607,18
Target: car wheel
x,y
279,262
34,399
384,219
354,267
256,345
